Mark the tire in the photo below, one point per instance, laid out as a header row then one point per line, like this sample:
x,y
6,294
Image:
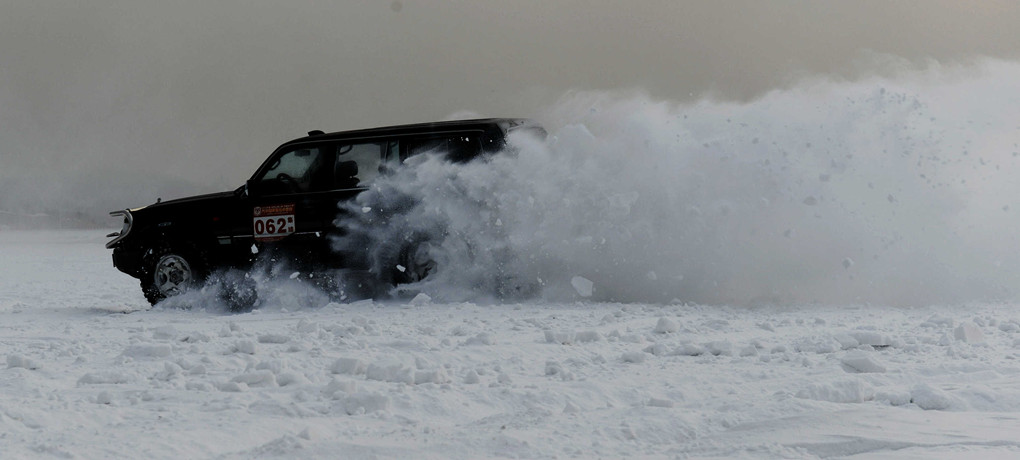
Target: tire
x,y
237,290
172,272
414,264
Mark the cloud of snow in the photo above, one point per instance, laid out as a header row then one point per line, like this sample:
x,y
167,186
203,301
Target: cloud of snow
x,y
886,190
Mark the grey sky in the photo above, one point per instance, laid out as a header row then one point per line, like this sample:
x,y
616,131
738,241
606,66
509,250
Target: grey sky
x,y
202,91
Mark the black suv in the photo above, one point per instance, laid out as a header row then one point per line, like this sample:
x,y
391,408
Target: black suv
x,y
289,208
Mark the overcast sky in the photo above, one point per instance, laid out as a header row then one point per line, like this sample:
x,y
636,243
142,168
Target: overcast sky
x,y
202,91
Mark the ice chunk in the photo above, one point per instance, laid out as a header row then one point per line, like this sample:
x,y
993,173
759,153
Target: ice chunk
x,y
583,286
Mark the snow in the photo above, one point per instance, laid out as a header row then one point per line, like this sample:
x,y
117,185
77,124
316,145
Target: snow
x,y
93,372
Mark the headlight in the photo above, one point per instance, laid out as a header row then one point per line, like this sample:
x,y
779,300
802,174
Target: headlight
x,y
117,236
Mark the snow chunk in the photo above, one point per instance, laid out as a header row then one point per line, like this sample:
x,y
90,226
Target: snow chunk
x,y
583,286
969,333
588,336
720,348
18,361
336,387
635,357
101,378
861,362
846,391
846,341
364,403
233,387
245,346
872,338
689,349
666,326
562,338
421,299
660,402
817,345
104,398
165,333
390,372
273,338
483,338
928,397
894,398
306,326
437,375
291,378
161,350
351,366
257,379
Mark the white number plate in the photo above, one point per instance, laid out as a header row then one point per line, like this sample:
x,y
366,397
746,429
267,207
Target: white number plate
x,y
273,222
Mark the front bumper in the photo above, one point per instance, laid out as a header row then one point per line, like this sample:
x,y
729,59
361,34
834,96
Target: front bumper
x,y
128,261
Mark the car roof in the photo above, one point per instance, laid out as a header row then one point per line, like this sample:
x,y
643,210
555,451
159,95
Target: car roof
x,y
417,128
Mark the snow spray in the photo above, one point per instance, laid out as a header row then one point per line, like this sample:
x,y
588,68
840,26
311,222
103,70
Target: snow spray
x,y
899,191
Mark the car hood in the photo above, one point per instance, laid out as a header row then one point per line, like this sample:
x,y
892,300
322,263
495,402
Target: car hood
x,y
192,199
182,204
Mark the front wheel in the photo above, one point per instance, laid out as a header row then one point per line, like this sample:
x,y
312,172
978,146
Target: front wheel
x,y
173,273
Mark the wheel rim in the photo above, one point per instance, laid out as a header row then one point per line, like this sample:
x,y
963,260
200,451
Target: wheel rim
x,y
173,275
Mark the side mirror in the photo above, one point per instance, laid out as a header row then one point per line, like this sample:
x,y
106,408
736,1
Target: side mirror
x,y
250,188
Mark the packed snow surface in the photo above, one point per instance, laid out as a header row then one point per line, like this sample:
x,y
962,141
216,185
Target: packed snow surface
x,y
92,372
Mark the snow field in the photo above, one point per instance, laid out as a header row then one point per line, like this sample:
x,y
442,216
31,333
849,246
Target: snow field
x,y
530,380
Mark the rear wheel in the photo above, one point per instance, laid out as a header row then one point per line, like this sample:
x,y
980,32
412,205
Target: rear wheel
x,y
414,264
172,273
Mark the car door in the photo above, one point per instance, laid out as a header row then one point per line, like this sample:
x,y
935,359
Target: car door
x,y
295,199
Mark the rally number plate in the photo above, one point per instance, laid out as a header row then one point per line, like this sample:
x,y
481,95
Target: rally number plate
x,y
273,222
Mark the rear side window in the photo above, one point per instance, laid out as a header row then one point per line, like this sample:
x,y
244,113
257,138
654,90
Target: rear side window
x,y
456,147
357,165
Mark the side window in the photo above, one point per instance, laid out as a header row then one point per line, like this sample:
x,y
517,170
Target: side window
x,y
357,165
296,171
456,147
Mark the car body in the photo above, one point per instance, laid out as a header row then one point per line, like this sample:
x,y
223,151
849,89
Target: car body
x,y
289,208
